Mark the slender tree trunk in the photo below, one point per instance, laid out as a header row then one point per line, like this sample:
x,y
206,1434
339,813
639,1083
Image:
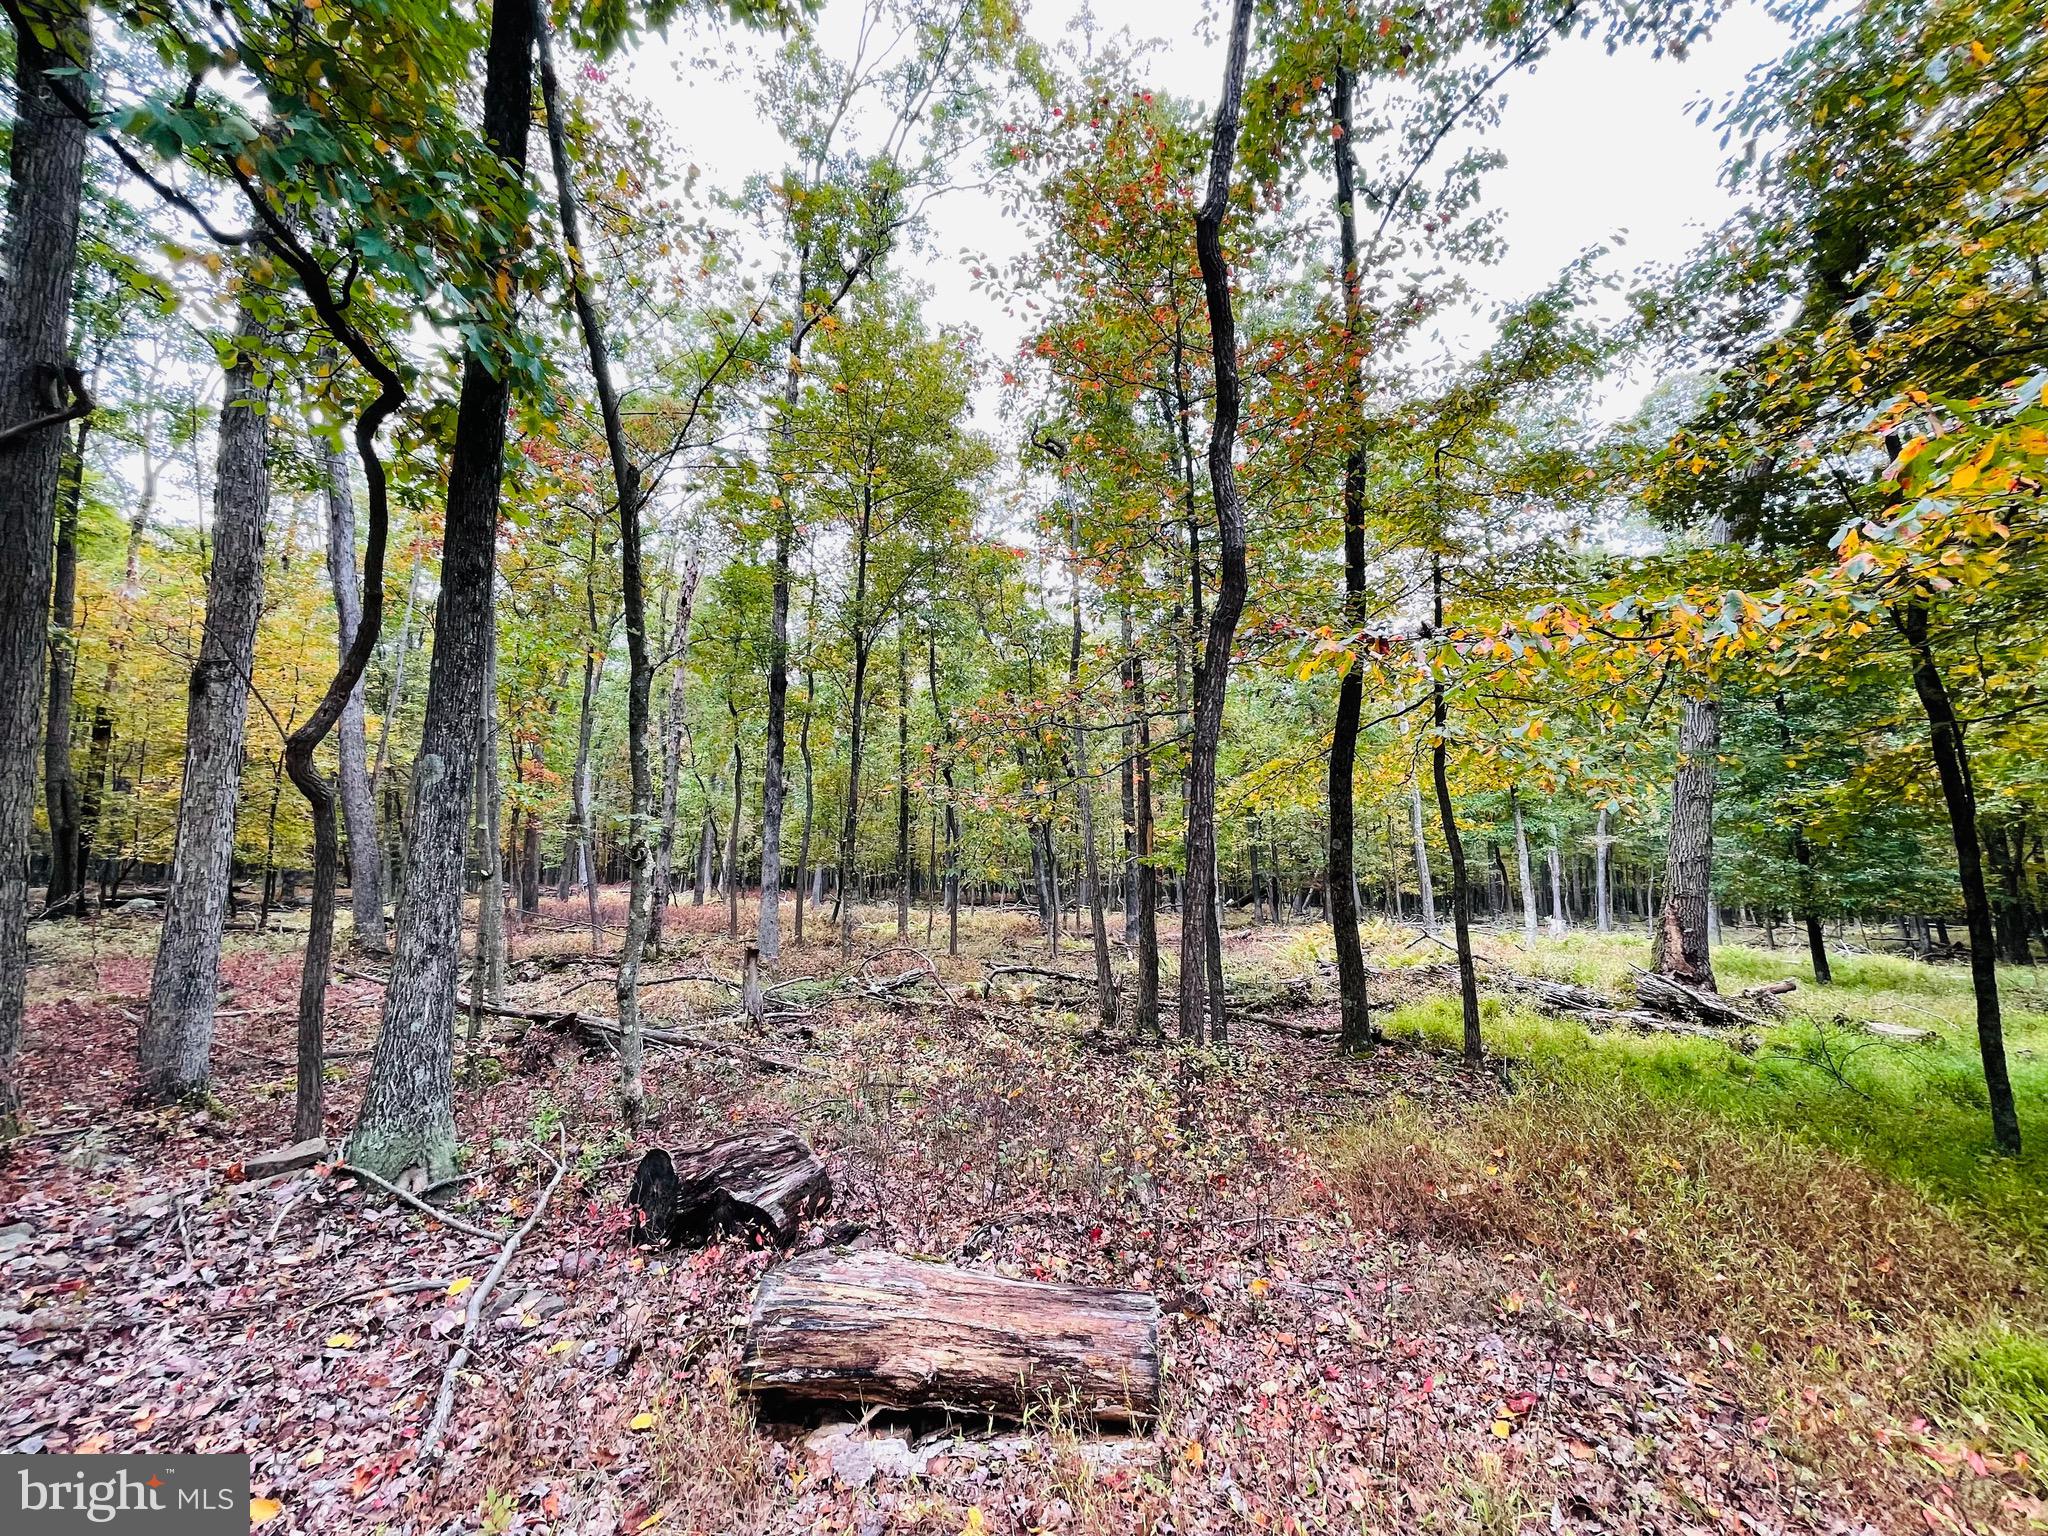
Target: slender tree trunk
x,y
1603,891
177,1032
1354,1005
672,745
1425,887
1524,871
803,747
633,591
1558,921
1084,798
490,925
1952,765
407,1117
943,729
1461,886
843,905
46,165
358,805
1213,673
1146,1024
902,779
65,892
1682,946
732,831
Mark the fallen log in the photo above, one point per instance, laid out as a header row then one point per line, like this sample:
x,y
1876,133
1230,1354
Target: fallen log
x,y
879,1330
762,1183
1672,997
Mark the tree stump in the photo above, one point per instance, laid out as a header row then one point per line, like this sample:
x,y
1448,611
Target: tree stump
x,y
763,1182
876,1329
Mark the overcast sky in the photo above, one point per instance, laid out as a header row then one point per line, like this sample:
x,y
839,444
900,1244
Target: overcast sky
x,y
1598,147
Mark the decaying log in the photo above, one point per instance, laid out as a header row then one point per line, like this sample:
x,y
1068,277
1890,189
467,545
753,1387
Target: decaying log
x,y
762,1183
1592,1010
1905,1034
1672,997
880,1330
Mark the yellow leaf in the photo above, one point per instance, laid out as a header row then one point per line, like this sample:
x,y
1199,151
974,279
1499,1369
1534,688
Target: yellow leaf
x,y
457,1287
563,1346
652,1520
1261,1285
1193,1455
504,286
975,1524
643,1421
1980,53
1503,1428
261,1510
341,1341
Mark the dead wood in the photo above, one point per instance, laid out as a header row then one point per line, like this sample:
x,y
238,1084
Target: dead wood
x,y
879,1330
764,1182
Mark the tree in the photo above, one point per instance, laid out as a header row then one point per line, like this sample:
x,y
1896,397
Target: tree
x,y
41,389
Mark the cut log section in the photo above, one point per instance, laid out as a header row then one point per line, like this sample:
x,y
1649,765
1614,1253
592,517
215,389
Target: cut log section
x,y
763,1183
879,1330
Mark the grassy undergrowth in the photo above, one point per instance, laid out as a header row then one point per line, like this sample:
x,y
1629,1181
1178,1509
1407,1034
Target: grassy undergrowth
x,y
1826,1202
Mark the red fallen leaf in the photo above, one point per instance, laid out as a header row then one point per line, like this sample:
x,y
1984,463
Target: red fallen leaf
x,y
1521,1402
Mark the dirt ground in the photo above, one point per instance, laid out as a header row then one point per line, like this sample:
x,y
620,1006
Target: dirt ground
x,y
1319,1375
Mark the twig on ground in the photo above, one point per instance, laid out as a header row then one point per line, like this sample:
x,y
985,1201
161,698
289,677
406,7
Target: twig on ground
x,y
417,1203
410,1287
444,1401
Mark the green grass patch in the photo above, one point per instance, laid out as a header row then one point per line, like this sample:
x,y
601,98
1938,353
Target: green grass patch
x,y
1998,1376
1916,1112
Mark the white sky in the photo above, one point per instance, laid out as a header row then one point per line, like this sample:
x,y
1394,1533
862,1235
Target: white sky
x,y
1598,147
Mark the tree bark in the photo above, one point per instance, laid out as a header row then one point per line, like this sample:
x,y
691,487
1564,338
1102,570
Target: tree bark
x,y
876,1329
177,1032
1524,872
1425,887
672,744
1084,799
1461,885
1681,946
407,1117
1959,793
902,778
1213,674
803,747
1146,1024
1354,1006
1603,890
46,176
65,891
633,592
358,806
944,729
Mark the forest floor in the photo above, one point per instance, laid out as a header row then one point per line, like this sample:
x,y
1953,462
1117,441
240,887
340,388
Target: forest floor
x,y
1603,1283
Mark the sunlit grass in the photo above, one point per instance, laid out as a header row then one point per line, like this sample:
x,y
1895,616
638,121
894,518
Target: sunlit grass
x,y
1915,1111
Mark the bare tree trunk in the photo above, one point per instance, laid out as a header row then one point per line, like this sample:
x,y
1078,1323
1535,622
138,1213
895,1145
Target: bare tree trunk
x,y
1354,1006
1423,884
902,780
1603,891
1558,921
46,162
1105,979
490,925
177,1033
358,805
672,744
1146,891
803,747
843,906
407,1117
1681,945
65,892
1524,872
732,831
1959,793
1461,885
1213,673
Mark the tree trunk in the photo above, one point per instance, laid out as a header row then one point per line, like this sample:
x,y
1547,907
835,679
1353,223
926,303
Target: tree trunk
x,y
1952,765
1558,920
843,905
65,892
1524,871
1212,680
1084,798
944,730
633,592
490,918
803,847
902,779
1146,1024
763,1184
177,1033
732,831
1681,947
1603,891
1461,886
874,1329
672,744
46,162
407,1116
358,805
1353,1004
1425,887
